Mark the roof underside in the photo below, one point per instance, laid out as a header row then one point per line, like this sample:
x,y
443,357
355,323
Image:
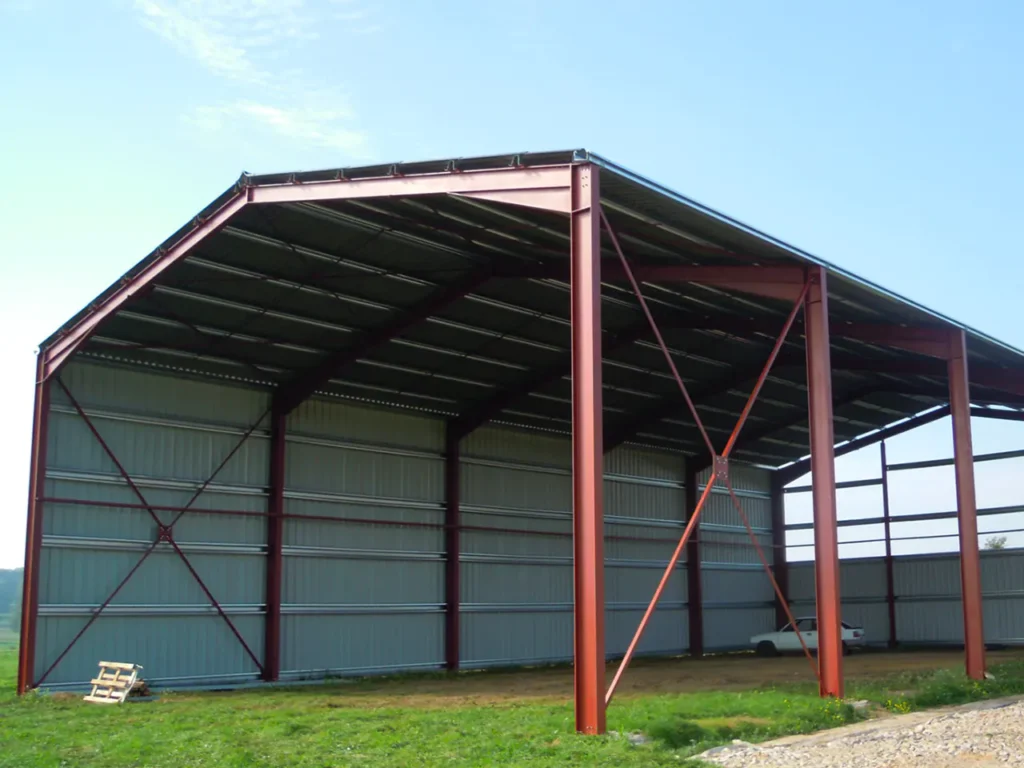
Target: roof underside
x,y
283,286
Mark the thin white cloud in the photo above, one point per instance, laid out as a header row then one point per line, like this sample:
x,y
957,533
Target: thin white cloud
x,y
307,125
260,44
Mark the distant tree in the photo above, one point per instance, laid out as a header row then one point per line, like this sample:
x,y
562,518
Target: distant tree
x,y
15,615
995,542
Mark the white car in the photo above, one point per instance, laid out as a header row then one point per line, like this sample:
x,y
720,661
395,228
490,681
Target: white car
x,y
786,640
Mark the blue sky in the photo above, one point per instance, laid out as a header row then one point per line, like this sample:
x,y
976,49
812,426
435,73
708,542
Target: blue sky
x,y
884,137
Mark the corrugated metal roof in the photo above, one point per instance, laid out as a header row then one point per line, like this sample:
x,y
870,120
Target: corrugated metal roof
x,y
283,285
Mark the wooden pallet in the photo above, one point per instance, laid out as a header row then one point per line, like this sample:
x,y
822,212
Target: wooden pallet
x,y
114,683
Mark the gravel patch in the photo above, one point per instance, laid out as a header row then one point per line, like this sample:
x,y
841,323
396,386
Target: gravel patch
x,y
977,736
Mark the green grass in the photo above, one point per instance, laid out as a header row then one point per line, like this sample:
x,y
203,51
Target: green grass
x,y
352,724
915,690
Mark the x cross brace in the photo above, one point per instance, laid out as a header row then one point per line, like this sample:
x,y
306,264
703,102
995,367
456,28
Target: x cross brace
x,y
719,467
165,534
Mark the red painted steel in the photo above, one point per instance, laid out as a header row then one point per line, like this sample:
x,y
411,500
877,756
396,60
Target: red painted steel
x,y
542,187
275,544
797,469
294,393
587,451
452,549
657,333
691,526
57,354
694,591
214,602
890,578
164,534
966,504
34,532
781,564
923,340
748,407
489,409
96,613
106,449
768,570
826,539
720,469
154,507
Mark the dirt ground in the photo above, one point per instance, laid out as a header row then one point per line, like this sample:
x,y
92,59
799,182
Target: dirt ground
x,y
644,677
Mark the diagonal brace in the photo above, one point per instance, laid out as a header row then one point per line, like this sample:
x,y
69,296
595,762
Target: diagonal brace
x,y
657,331
720,471
164,534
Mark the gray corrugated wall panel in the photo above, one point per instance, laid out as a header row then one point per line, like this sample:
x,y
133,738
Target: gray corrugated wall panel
x,y
358,597
801,581
736,586
732,628
326,581
641,462
928,606
199,648
744,477
504,444
719,510
107,522
858,580
154,451
161,395
363,473
171,434
666,634
313,646
522,481
917,577
494,639
72,576
366,424
515,487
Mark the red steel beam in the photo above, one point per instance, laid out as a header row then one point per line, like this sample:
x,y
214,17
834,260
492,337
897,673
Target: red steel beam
x,y
452,549
763,377
890,578
996,413
275,544
797,469
768,430
540,187
966,504
657,332
688,532
694,591
826,539
776,282
780,597
34,532
587,452
779,559
164,534
295,392
72,339
486,411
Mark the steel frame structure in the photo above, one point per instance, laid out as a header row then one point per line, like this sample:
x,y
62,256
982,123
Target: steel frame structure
x,y
574,191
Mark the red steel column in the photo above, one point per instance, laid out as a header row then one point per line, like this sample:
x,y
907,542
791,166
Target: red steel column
x,y
695,597
890,578
966,505
587,451
779,563
275,543
452,575
34,533
826,539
